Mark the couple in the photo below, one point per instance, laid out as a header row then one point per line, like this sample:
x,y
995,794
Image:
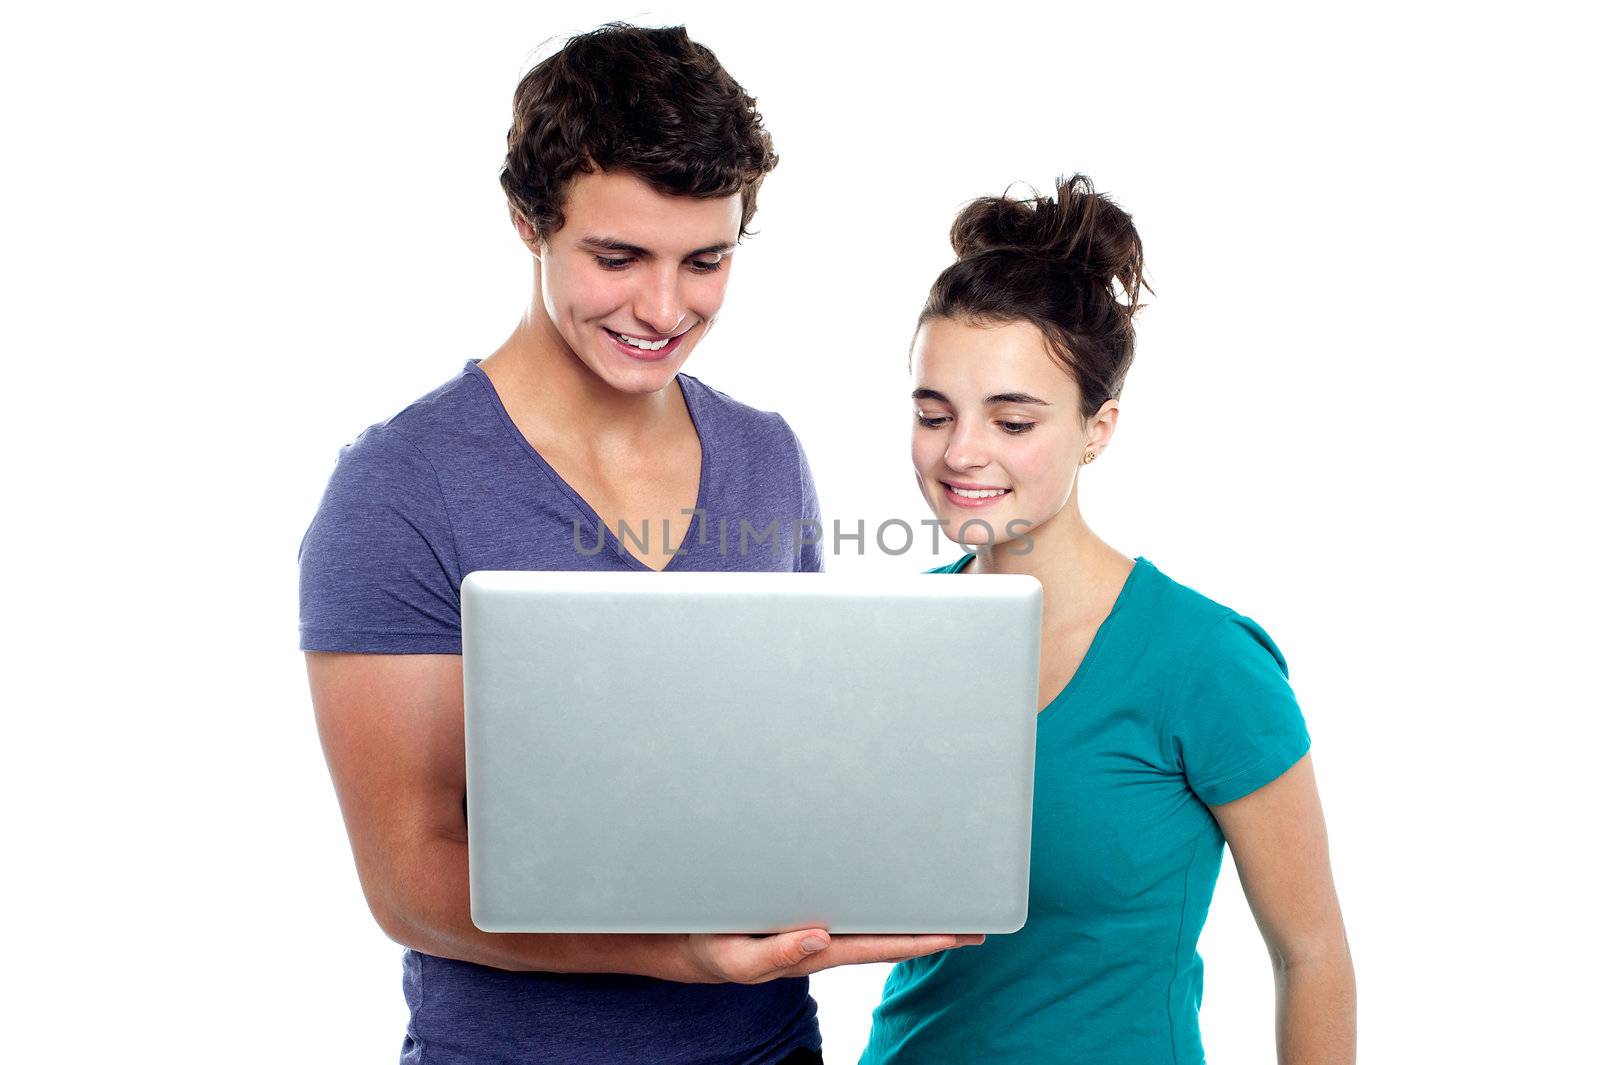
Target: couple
x,y
1166,722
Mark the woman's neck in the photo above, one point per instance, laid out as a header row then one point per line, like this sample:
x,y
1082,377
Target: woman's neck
x,y
1081,573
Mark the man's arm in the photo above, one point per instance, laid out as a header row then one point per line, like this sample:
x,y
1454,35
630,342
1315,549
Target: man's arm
x,y
391,728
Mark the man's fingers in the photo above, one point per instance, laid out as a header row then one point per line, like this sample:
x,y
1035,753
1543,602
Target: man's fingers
x,y
874,948
755,959
791,948
861,949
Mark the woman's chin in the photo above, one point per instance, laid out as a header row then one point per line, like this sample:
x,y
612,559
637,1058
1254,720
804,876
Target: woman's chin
x,y
975,534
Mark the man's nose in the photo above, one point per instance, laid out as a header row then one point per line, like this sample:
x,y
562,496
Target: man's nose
x,y
659,304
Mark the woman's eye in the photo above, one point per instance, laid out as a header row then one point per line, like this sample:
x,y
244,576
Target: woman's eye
x,y
1017,428
700,266
611,264
930,423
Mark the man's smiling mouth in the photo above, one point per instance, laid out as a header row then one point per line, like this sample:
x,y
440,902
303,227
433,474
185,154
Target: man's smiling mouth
x,y
647,348
644,343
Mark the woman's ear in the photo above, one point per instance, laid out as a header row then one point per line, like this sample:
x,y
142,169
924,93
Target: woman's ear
x,y
1102,425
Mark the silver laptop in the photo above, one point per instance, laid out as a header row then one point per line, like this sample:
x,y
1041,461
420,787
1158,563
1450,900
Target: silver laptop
x,y
749,752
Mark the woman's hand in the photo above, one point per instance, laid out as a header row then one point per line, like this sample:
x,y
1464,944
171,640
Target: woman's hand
x,y
738,959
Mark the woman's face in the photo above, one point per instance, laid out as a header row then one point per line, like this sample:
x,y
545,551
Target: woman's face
x,y
634,279
996,437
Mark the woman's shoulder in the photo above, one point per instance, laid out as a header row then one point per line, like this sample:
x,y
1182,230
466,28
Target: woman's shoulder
x,y
1184,619
1180,603
1183,614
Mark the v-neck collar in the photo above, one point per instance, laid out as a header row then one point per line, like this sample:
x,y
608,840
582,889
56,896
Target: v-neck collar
x,y
1075,682
690,400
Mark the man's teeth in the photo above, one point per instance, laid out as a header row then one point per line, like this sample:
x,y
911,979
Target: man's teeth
x,y
646,345
987,493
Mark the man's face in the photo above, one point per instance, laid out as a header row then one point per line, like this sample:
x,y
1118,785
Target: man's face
x,y
635,278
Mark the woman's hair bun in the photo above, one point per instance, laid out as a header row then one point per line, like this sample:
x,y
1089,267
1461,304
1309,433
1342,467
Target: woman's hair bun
x,y
1078,230
1071,264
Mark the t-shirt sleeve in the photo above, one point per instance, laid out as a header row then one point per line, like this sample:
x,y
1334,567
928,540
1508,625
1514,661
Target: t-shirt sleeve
x,y
378,568
1234,723
808,556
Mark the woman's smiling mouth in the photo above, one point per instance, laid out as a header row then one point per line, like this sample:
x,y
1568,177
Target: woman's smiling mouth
x,y
973,495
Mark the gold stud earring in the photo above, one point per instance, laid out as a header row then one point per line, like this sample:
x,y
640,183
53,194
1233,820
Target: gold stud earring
x,y
1088,457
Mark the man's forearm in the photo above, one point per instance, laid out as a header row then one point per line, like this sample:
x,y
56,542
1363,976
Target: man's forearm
x,y
1317,1012
431,912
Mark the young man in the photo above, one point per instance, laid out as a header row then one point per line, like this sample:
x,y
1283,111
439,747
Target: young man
x,y
632,169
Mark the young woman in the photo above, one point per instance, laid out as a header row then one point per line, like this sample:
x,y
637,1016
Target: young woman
x,y
1166,720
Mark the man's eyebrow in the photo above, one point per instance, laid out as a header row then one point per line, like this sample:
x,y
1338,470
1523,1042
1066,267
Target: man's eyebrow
x,y
613,244
1002,397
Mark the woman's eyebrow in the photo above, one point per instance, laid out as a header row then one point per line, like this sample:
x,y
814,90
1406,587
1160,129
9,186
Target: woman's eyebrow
x,y
1002,397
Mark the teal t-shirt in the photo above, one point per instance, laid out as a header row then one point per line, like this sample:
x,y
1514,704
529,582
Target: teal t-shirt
x,y
1179,704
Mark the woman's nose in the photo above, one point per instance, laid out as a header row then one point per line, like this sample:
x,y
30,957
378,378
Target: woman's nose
x,y
966,450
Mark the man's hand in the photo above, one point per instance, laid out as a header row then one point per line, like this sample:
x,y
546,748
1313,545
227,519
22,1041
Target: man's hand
x,y
757,959
392,729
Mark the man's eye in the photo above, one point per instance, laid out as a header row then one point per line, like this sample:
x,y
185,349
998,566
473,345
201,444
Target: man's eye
x,y
611,264
930,423
701,266
1017,428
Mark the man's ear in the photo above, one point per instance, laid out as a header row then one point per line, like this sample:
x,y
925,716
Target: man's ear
x,y
526,231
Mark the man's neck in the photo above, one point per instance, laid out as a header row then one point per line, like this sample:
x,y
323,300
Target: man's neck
x,y
539,379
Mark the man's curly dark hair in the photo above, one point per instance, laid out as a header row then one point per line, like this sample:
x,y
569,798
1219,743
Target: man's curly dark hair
x,y
650,102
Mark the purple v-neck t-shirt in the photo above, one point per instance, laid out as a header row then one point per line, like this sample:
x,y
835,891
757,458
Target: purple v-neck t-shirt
x,y
450,485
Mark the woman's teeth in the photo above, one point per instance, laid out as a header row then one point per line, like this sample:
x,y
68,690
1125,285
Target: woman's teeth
x,y
987,493
644,345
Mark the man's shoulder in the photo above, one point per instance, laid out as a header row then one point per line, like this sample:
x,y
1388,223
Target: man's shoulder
x,y
722,415
428,428
453,408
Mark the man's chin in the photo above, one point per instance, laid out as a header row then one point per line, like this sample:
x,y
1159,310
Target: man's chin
x,y
641,377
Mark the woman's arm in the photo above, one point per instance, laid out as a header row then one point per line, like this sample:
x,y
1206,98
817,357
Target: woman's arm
x,y
1280,847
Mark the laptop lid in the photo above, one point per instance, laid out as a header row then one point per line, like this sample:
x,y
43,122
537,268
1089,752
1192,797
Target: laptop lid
x,y
743,752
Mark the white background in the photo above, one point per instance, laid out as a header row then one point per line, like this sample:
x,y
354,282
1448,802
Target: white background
x,y
1360,414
